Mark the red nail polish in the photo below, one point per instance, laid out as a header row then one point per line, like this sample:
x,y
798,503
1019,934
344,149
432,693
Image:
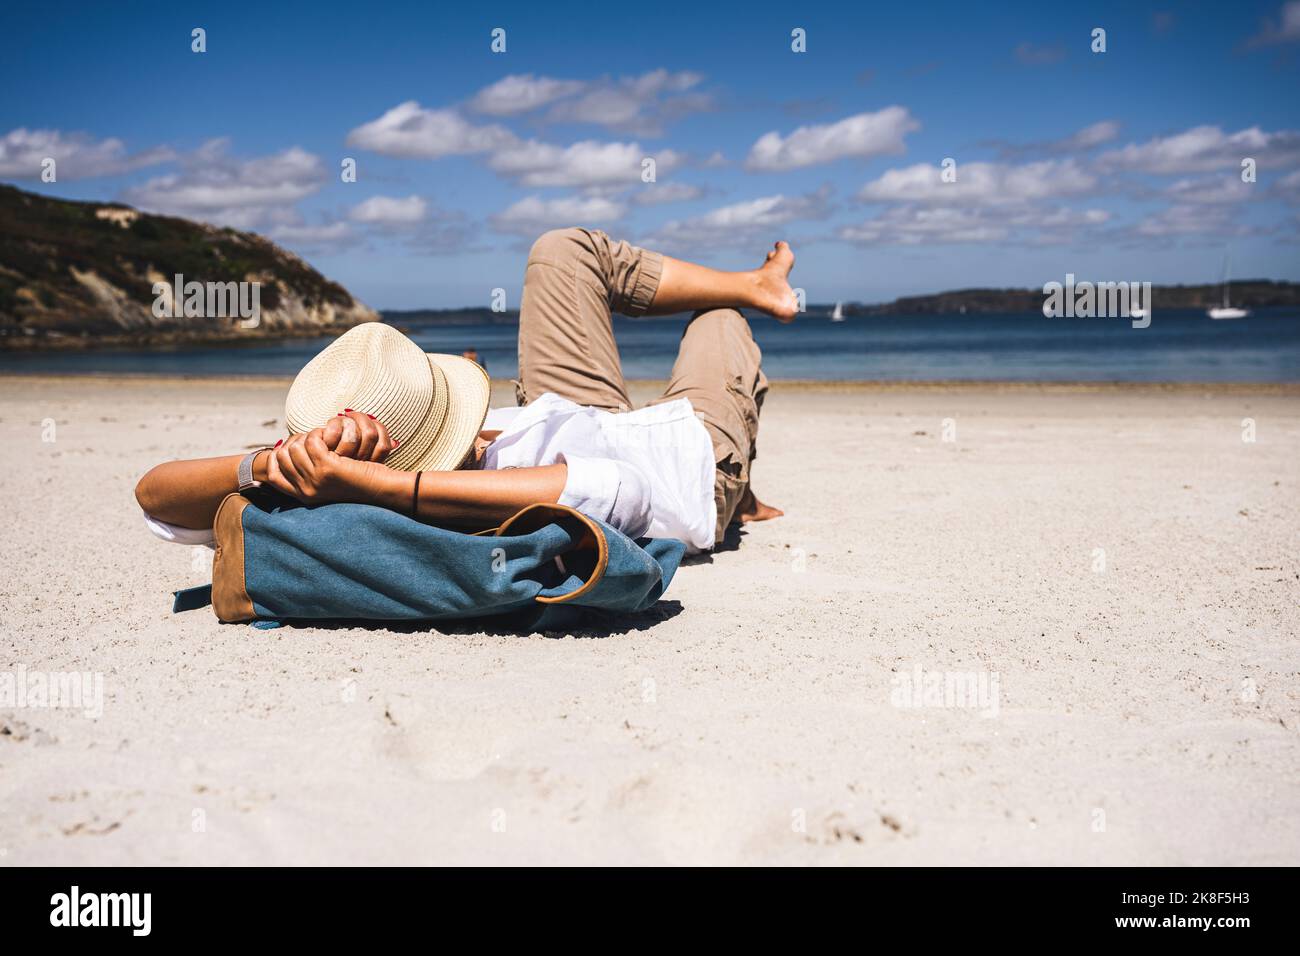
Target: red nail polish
x,y
279,443
347,409
371,417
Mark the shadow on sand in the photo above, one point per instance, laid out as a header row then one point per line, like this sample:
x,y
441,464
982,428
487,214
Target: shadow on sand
x,y
589,623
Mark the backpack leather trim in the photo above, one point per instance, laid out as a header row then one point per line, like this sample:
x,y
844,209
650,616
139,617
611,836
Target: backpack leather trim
x,y
230,598
535,516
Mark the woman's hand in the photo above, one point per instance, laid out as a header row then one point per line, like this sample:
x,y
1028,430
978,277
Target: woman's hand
x,y
336,462
481,443
357,435
307,468
345,467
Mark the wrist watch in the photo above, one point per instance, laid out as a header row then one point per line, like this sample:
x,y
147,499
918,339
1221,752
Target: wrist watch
x,y
246,479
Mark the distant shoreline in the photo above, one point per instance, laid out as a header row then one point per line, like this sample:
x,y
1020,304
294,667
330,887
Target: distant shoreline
x,y
1249,293
161,341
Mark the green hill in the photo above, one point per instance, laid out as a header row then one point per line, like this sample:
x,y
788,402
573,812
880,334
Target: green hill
x,y
83,273
1250,293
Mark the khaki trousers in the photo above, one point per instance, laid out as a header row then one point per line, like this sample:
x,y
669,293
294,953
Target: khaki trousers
x,y
575,280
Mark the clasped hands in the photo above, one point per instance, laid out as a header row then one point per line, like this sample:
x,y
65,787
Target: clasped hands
x,y
337,462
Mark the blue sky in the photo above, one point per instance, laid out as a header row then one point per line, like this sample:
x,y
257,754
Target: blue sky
x,y
1116,165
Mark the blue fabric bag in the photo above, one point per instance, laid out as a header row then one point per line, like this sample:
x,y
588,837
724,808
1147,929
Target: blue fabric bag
x,y
281,561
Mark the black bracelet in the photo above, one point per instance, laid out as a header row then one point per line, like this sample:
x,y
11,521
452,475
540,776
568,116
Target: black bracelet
x,y
415,497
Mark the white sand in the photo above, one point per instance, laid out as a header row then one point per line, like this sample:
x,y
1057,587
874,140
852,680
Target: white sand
x,y
757,696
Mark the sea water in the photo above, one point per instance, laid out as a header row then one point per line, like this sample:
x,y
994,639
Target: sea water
x,y
1179,346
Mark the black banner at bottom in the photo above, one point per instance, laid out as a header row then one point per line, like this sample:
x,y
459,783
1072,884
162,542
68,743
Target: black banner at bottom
x,y
338,905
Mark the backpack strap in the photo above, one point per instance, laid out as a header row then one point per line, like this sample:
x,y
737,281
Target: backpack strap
x,y
191,599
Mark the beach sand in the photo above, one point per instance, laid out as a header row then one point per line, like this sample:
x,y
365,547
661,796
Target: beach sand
x,y
1140,705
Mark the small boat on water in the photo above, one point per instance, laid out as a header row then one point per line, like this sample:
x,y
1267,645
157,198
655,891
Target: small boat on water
x,y
1227,310
837,314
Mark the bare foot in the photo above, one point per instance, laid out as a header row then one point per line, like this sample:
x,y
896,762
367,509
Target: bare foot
x,y
751,509
772,293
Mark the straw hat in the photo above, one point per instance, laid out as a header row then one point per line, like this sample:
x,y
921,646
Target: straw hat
x,y
434,405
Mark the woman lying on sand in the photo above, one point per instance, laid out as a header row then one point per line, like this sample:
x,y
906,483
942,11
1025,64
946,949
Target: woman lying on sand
x,y
370,424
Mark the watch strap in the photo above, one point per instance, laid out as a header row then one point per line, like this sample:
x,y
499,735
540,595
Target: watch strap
x,y
246,479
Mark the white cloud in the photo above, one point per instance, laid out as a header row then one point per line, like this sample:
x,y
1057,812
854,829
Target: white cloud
x,y
911,225
765,211
1286,29
323,237
744,222
1059,217
588,163
325,231
1089,136
389,210
1288,187
981,183
76,155
1204,149
512,95
1210,190
416,223
411,131
639,104
245,194
633,104
534,215
861,136
1189,220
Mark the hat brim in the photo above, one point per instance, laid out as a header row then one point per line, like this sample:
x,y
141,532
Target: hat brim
x,y
469,391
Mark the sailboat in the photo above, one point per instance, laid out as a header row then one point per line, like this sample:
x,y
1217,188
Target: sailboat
x,y
1226,311
837,314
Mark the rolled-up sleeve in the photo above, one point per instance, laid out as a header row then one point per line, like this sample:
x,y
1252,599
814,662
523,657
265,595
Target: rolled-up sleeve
x,y
649,269
634,276
179,535
612,491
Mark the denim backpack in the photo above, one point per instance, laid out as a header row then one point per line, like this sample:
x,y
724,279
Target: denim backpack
x,y
277,560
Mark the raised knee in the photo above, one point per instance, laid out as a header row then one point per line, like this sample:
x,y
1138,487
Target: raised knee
x,y
560,244
727,315
727,321
728,333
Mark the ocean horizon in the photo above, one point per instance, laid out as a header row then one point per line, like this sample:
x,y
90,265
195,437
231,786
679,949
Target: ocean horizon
x,y
1179,346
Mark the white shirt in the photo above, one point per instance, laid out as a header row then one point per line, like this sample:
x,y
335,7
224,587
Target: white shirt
x,y
648,473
